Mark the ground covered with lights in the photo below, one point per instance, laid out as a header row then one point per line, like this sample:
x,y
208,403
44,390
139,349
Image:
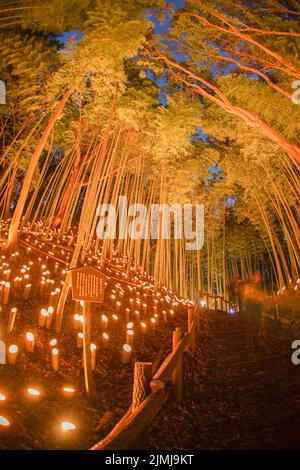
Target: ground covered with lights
x,y
43,400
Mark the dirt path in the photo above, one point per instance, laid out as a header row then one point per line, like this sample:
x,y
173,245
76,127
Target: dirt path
x,y
237,395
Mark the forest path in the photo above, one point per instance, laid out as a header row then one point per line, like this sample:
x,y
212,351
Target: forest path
x,y
237,394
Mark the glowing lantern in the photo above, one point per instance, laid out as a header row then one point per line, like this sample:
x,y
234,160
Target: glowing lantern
x,y
55,359
34,392
104,321
4,421
126,353
12,354
29,341
79,339
67,426
69,390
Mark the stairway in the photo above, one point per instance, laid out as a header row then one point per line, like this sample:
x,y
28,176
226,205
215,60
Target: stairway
x,y
238,394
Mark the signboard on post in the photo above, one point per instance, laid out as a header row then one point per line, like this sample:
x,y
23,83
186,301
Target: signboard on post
x,y
88,284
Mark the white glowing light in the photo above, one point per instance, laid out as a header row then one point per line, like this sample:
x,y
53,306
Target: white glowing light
x,y
30,336
4,421
67,426
34,392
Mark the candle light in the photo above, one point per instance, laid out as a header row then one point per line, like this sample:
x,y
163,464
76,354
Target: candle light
x,y
164,315
55,359
11,320
6,291
67,426
143,327
126,353
26,291
79,341
12,355
29,343
69,390
152,323
33,391
129,337
2,284
105,337
104,321
56,299
137,315
52,299
53,342
2,397
93,355
42,286
25,279
77,321
145,308
127,314
43,317
49,317
4,421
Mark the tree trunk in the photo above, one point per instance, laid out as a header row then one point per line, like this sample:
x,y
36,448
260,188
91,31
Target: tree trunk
x,y
13,229
223,102
10,190
71,185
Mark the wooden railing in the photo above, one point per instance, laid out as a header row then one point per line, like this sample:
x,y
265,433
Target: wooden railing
x,y
129,433
215,302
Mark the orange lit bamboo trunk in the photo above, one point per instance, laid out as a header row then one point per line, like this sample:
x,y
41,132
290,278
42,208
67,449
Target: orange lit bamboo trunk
x,y
13,229
10,190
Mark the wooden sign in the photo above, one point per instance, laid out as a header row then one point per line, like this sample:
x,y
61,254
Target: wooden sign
x,y
88,284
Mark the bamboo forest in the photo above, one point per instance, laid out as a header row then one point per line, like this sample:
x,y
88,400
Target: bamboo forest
x,y
149,227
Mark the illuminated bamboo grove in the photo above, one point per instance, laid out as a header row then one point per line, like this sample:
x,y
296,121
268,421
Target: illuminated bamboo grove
x,y
112,137
101,104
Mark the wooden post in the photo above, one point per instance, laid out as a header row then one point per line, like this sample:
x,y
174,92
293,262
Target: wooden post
x,y
208,303
87,358
190,321
141,383
177,374
216,301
